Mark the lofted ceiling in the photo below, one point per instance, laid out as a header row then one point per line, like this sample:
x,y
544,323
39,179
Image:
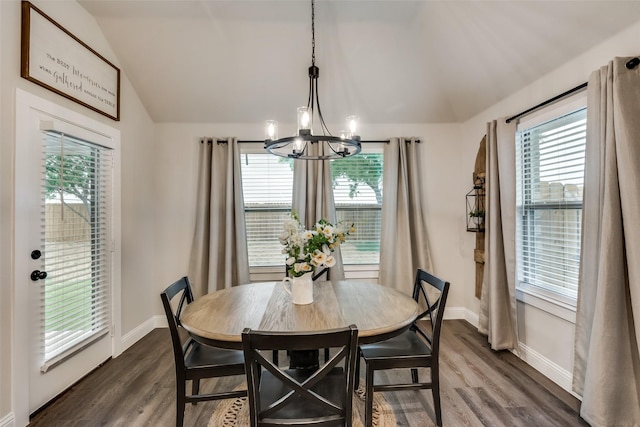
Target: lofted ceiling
x,y
389,61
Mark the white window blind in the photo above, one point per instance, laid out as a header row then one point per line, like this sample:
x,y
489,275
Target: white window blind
x,y
76,236
550,177
357,191
267,185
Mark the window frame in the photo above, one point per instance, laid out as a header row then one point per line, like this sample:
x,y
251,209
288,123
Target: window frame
x,y
352,271
560,304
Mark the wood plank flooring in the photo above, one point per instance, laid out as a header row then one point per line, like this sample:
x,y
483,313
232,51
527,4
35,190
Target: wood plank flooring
x,y
479,387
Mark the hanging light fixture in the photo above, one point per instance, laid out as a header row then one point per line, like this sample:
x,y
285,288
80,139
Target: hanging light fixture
x,y
297,147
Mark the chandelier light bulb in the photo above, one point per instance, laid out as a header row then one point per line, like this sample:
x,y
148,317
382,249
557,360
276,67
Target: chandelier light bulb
x,y
352,124
298,145
271,130
304,121
342,147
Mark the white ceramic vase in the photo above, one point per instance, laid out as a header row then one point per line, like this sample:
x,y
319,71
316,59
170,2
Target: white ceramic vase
x,y
300,288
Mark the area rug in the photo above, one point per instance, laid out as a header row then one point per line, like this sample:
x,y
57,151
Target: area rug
x,y
235,412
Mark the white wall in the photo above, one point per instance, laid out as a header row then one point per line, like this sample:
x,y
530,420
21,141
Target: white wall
x,y
5,350
547,338
447,179
137,136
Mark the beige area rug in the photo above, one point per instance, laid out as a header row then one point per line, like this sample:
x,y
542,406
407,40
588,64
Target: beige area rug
x,y
235,412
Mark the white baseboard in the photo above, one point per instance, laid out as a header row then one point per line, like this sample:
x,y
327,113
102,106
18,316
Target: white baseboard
x,y
471,317
452,313
547,368
161,322
8,420
140,331
455,313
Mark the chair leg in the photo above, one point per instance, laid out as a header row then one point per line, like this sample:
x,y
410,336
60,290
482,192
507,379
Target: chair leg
x,y
181,402
368,398
326,355
195,389
435,390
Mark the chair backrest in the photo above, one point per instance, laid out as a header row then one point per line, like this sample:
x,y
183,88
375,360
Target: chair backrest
x,y
321,396
182,287
319,274
430,293
315,276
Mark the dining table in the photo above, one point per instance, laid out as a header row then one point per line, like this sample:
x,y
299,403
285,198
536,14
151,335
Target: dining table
x,y
218,318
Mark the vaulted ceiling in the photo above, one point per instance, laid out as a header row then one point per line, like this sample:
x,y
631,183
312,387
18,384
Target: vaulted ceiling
x,y
389,61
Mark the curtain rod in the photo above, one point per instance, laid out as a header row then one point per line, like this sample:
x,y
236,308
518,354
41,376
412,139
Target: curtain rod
x,y
547,102
631,64
245,141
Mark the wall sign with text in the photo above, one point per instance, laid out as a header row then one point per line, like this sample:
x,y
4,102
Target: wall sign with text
x,y
54,58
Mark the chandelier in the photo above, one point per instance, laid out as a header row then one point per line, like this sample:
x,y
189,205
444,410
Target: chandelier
x,y
347,143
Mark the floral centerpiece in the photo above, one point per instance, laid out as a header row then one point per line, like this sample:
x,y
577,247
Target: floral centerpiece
x,y
309,250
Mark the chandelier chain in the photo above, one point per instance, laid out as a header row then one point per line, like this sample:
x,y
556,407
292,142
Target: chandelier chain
x,y
313,33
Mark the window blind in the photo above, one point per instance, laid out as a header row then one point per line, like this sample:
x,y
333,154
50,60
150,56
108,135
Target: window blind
x,y
267,185
550,179
75,233
357,192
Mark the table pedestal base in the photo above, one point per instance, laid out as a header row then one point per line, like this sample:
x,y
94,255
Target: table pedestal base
x,y
304,359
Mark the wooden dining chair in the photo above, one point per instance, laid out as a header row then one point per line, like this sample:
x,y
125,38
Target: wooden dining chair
x,y
195,361
319,396
418,347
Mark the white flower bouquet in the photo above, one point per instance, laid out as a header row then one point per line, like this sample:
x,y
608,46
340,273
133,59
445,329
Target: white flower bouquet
x,y
309,250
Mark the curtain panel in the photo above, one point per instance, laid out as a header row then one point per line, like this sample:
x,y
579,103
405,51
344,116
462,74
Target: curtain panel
x,y
498,297
607,353
404,241
219,257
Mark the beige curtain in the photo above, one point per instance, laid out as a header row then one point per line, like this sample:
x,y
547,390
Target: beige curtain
x,y
219,257
607,361
313,196
498,298
404,242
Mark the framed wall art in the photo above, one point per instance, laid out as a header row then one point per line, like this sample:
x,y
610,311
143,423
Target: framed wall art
x,y
54,58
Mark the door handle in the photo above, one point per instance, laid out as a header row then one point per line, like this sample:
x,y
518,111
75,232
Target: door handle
x,y
37,275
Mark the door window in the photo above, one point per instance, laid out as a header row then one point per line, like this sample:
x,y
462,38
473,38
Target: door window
x,y
75,234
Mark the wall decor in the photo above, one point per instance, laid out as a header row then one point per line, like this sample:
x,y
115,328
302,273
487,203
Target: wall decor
x,y
54,58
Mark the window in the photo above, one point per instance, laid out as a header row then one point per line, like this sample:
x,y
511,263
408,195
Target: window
x,y
357,192
267,184
550,177
77,246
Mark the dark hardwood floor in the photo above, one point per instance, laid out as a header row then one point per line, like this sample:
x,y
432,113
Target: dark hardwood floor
x,y
479,387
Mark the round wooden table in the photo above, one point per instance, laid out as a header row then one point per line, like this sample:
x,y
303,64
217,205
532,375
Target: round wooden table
x,y
379,312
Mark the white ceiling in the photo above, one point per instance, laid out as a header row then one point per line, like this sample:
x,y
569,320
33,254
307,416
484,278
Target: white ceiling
x,y
389,61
